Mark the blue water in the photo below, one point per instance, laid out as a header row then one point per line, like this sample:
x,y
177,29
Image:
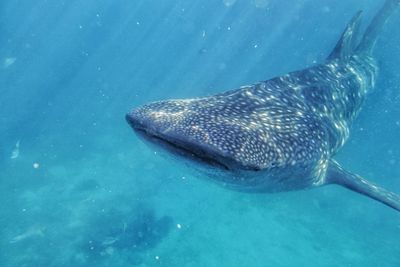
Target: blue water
x,y
81,189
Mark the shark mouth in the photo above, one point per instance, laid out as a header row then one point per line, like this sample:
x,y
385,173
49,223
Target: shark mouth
x,y
181,148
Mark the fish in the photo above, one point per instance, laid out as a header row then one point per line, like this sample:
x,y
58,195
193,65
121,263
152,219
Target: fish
x,y
32,232
280,134
15,152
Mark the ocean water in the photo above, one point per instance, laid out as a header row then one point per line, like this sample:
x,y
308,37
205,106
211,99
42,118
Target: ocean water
x,y
78,188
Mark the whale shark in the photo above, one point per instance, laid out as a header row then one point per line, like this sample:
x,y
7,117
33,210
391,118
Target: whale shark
x,y
280,134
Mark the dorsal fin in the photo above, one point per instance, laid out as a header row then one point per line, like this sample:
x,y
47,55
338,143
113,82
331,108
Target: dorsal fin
x,y
375,27
337,175
347,42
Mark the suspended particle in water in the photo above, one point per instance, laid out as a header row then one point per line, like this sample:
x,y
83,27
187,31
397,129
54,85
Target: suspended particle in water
x,y
36,165
9,61
228,2
326,9
261,3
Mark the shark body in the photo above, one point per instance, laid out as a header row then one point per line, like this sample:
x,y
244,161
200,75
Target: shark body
x,y
280,134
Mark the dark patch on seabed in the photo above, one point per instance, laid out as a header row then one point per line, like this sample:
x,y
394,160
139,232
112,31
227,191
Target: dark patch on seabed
x,y
123,235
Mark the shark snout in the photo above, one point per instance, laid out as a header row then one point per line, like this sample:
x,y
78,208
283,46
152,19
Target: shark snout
x,y
144,121
136,119
155,118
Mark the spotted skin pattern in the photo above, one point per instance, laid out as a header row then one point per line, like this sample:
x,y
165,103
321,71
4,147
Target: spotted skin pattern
x,y
296,121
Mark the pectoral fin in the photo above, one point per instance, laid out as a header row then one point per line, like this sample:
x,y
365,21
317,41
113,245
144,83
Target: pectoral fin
x,y
337,175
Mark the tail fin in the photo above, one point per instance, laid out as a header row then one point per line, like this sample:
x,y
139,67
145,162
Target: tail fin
x,y
348,41
337,175
375,27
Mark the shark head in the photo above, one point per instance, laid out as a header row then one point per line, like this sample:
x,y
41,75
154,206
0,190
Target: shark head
x,y
223,131
193,129
239,130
